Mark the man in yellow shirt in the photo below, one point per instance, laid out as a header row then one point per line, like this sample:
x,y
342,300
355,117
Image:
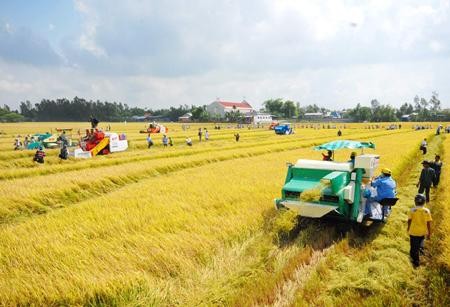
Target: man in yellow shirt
x,y
419,226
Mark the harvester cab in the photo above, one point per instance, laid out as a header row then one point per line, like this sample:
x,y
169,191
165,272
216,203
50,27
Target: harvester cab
x,y
284,129
327,189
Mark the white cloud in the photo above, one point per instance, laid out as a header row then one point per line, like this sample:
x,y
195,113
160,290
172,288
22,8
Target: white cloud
x,y
436,46
8,28
87,39
333,53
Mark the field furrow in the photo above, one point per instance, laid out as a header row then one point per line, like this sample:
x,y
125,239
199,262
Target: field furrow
x,y
55,165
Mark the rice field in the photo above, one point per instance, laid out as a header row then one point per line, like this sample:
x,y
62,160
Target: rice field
x,y
196,225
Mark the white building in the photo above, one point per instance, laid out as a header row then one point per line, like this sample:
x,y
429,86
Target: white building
x,y
314,116
186,118
219,108
262,118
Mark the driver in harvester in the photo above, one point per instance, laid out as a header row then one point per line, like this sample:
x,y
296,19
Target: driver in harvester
x,y
328,156
385,186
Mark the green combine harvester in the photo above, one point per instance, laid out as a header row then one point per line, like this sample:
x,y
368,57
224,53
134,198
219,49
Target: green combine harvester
x,y
46,140
327,189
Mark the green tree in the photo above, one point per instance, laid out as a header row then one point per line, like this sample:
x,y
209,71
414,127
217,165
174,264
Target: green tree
x,y
274,106
360,113
234,116
200,114
289,109
7,116
434,102
312,108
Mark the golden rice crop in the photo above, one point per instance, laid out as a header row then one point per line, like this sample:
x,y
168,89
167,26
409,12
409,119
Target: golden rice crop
x,y
77,180
444,200
167,227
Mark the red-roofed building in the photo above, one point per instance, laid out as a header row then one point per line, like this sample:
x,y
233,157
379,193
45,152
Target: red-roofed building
x,y
219,108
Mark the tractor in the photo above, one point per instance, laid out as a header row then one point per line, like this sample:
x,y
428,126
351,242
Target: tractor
x,y
284,129
155,128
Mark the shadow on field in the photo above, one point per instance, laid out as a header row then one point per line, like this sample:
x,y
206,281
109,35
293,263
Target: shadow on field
x,y
286,228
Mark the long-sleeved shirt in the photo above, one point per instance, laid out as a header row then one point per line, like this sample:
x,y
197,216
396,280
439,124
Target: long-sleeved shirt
x,y
385,187
437,166
427,177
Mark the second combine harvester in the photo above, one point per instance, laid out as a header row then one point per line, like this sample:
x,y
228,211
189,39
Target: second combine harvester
x,y
97,142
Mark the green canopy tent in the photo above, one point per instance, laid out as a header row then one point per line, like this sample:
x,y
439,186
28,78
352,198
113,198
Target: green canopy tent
x,y
345,144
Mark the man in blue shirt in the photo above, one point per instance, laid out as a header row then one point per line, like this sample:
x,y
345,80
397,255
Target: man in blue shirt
x,y
385,186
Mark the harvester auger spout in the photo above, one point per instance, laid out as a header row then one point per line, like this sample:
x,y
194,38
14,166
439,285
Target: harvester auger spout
x,y
319,189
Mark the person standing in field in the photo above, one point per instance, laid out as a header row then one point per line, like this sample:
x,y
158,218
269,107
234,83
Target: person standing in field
x,y
200,134
149,141
423,146
339,133
426,179
206,135
165,140
170,141
64,153
39,155
188,141
94,122
419,226
237,137
17,144
437,166
63,139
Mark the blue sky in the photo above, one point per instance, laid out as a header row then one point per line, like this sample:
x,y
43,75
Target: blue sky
x,y
156,54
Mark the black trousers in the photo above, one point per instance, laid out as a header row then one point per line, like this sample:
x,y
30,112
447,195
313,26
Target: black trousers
x,y
424,149
415,243
425,189
436,179
38,159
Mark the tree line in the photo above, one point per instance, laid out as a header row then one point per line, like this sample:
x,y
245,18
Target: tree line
x,y
80,109
6,115
420,109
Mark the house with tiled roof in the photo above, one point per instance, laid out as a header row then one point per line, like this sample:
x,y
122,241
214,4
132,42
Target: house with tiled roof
x,y
219,108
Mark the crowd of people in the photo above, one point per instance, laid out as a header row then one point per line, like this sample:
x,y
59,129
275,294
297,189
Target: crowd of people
x,y
202,134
